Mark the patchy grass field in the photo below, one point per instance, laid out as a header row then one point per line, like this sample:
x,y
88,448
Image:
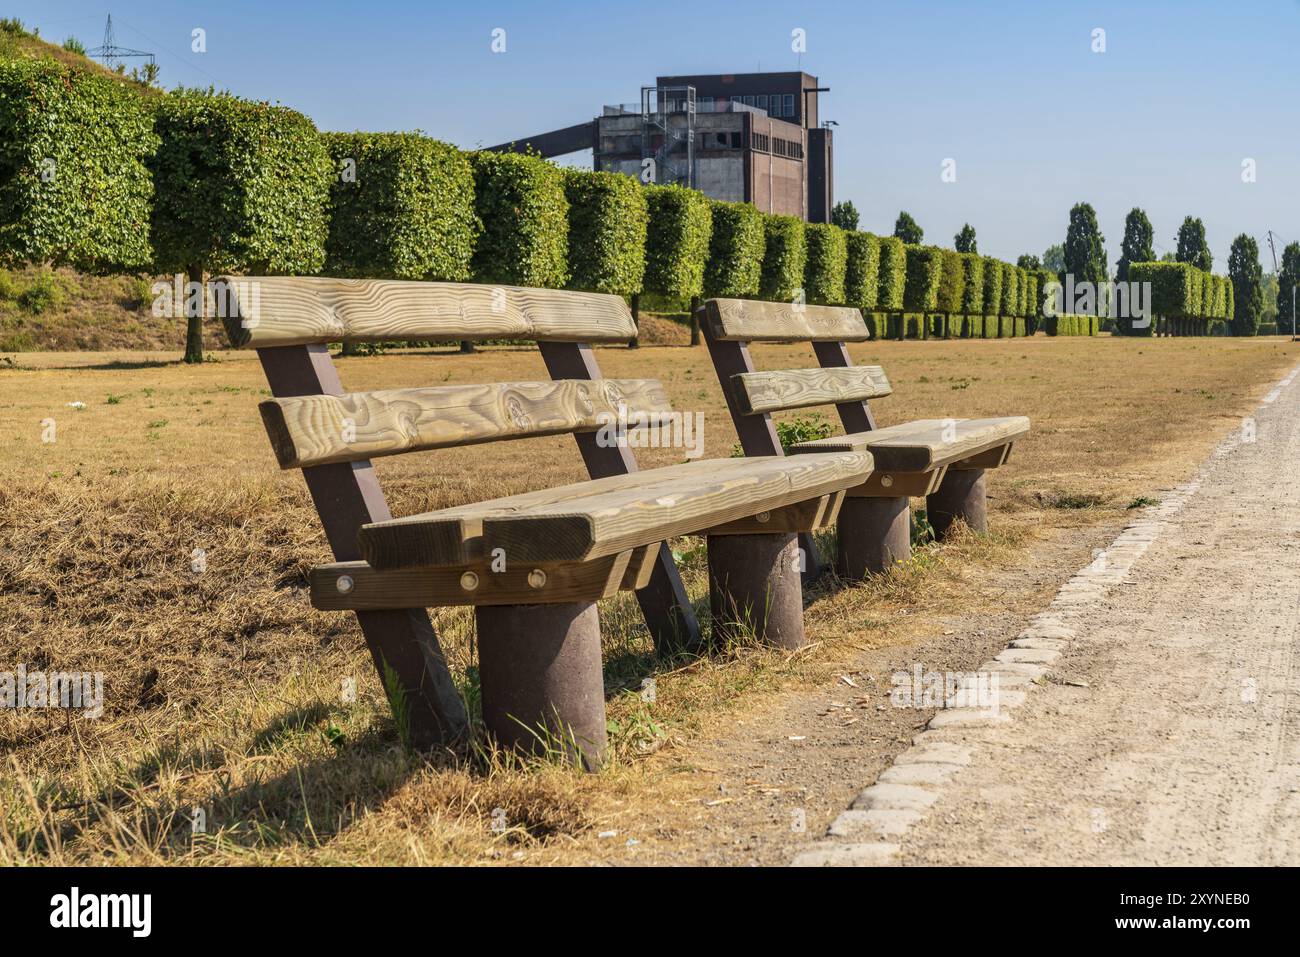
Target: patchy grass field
x,y
223,686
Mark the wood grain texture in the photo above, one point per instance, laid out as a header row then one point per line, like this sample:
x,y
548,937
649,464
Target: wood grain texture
x,y
926,443
803,516
585,521
286,310
751,320
368,589
319,429
759,392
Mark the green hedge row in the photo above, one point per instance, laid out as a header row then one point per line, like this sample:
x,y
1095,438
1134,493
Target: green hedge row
x,y
784,255
198,180
401,207
608,219
1072,325
862,270
1181,291
75,187
735,265
824,268
521,203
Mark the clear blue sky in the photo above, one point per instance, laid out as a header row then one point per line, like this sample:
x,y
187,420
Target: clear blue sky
x,y
1011,90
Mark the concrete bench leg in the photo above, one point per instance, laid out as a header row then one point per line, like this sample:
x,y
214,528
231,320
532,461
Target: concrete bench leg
x,y
873,533
754,588
541,676
959,495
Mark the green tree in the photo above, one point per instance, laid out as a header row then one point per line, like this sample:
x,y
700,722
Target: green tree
x,y
73,45
845,215
964,241
1246,275
1054,259
1029,262
1137,245
1288,288
906,229
1192,247
1085,250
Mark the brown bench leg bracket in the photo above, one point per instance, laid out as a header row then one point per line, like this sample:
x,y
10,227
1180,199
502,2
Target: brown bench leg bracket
x,y
959,495
540,673
873,533
755,588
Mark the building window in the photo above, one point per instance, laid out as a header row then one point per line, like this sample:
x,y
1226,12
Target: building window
x,y
789,104
747,100
760,101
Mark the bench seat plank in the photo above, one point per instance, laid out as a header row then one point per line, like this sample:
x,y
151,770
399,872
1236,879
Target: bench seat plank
x,y
264,311
759,392
320,429
588,520
926,443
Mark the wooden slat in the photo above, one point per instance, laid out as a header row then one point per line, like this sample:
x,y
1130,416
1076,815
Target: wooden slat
x,y
751,320
805,516
759,392
318,429
896,484
369,588
585,521
262,311
926,443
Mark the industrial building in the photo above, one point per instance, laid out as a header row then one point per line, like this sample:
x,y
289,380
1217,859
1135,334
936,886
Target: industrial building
x,y
751,137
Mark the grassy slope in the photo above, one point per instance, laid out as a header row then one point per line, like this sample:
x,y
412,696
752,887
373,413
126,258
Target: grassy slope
x,y
83,312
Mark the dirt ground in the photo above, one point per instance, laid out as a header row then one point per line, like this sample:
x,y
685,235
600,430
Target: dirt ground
x,y
222,688
1171,736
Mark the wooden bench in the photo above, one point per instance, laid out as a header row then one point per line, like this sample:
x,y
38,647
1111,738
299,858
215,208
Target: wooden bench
x,y
943,460
532,565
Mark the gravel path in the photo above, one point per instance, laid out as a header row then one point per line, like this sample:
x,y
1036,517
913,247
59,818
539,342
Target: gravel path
x,y
1165,728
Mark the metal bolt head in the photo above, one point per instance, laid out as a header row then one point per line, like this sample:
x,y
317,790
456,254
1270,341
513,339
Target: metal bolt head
x,y
536,578
469,581
763,517
344,584
887,481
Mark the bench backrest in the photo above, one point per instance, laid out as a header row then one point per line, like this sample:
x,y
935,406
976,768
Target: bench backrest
x,y
332,435
752,396
731,324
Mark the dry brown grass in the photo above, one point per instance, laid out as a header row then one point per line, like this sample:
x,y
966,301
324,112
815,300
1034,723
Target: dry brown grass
x,y
222,687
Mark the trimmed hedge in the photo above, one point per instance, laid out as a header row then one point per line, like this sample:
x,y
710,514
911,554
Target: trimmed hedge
x,y
952,282
520,201
240,187
784,256
407,214
75,188
677,243
1072,325
972,301
924,270
992,286
1022,282
824,268
607,232
893,274
1175,287
1032,303
861,270
735,266
1010,290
